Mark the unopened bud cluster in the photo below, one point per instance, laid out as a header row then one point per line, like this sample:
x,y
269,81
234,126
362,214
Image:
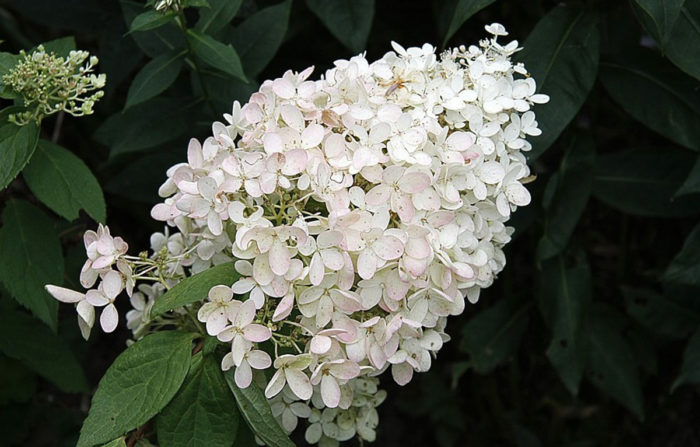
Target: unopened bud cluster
x,y
360,210
49,84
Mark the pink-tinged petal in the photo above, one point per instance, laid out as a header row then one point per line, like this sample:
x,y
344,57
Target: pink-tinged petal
x,y
239,348
348,302
418,248
163,212
284,308
366,264
276,384
214,223
299,383
402,373
245,315
259,359
414,182
376,356
334,145
256,333
333,258
243,375
257,297
227,362
324,312
283,88
216,321
403,206
220,294
84,328
109,318
243,285
316,269
65,295
350,330
330,391
194,153
311,136
103,262
86,312
395,287
261,271
96,298
273,143
279,258
310,295
320,344
207,188
345,370
296,162
88,276
112,284
388,248
378,195
416,267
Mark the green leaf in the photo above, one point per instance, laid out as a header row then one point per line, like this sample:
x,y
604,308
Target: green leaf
x,y
661,314
17,145
64,183
658,17
145,125
691,185
561,53
218,55
203,413
656,94
119,442
140,383
150,20
690,371
612,366
493,335
682,47
157,41
643,182
454,13
195,288
25,338
219,14
31,257
7,62
255,409
685,267
259,37
348,20
571,187
61,46
564,297
155,77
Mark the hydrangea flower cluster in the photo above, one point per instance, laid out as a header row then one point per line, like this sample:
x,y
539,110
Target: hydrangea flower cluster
x,y
50,84
360,210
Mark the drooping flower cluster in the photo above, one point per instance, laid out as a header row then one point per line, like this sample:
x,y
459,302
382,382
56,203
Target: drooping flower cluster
x,y
50,84
360,210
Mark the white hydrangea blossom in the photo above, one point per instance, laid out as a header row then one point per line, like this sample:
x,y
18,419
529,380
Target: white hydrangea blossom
x,y
360,210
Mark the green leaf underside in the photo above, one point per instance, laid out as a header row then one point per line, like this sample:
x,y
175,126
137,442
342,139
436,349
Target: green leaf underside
x,y
17,144
29,340
493,335
565,295
195,288
685,267
255,409
259,37
656,94
348,20
612,366
64,183
644,182
562,54
150,20
455,12
203,413
140,383
119,442
216,54
573,183
155,77
217,15
31,257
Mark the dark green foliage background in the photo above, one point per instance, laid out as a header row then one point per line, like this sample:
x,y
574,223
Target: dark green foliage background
x,y
589,337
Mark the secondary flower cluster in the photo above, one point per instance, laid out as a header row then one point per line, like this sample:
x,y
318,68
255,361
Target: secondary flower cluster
x,y
49,84
360,210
